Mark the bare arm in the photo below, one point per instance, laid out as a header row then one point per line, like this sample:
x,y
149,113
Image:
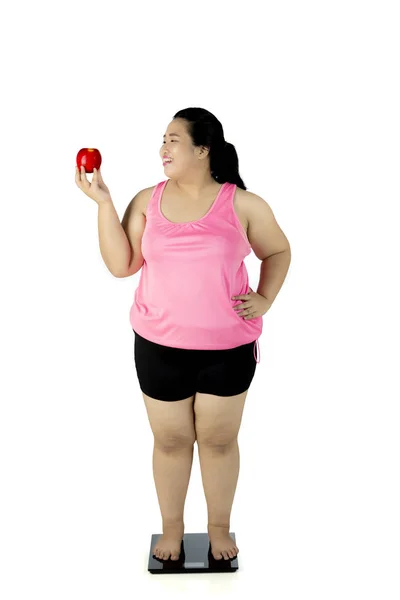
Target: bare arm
x,y
114,244
133,224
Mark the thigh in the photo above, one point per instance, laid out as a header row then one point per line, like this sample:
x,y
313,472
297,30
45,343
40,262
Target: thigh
x,y
227,372
164,373
172,423
218,418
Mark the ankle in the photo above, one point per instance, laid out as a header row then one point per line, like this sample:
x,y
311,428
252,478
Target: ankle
x,y
173,526
218,529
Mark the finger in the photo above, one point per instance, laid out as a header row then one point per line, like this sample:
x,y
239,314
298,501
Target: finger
x,y
83,174
79,178
94,178
243,306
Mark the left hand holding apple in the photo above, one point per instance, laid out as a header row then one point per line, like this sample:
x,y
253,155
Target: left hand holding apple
x,y
253,305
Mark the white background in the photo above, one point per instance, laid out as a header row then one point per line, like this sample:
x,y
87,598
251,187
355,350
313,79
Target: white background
x,y
308,92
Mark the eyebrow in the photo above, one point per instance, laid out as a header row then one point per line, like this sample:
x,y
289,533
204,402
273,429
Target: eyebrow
x,y
177,134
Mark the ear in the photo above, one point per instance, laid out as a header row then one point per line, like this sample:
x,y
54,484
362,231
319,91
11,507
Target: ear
x,y
202,151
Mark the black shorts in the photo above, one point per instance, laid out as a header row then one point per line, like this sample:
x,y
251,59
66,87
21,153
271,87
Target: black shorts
x,y
172,374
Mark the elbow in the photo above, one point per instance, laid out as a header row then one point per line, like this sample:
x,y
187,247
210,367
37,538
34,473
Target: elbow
x,y
131,270
121,275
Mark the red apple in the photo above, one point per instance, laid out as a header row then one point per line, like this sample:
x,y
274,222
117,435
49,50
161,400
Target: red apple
x,y
89,158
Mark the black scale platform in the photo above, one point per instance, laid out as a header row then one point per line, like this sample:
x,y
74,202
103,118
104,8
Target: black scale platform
x,y
195,557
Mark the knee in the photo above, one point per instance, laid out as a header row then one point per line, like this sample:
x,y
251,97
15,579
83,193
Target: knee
x,y
170,442
218,441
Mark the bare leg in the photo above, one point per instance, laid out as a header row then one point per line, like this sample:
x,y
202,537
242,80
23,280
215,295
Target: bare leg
x,y
171,469
220,471
172,424
217,423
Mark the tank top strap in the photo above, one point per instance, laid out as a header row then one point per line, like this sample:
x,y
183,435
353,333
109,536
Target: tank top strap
x,y
223,203
152,205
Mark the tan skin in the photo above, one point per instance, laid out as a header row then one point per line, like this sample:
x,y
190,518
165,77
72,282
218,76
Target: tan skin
x,y
189,194
213,422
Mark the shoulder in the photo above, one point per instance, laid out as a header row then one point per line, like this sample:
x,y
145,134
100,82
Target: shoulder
x,y
249,198
251,205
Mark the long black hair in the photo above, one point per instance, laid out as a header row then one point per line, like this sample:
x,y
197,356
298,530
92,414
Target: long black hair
x,y
205,130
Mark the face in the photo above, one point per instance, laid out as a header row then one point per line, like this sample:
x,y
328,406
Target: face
x,y
180,149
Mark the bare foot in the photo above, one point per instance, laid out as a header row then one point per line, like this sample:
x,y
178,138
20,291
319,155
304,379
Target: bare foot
x,y
222,545
169,543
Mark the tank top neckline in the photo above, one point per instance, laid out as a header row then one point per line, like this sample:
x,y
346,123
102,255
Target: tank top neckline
x,y
188,222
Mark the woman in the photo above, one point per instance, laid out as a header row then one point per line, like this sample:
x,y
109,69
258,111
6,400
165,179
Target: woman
x,y
195,319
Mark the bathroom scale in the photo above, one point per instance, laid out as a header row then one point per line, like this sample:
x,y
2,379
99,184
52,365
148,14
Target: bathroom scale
x,y
195,557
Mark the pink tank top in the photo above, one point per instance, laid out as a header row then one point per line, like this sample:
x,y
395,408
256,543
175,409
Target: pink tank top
x,y
189,275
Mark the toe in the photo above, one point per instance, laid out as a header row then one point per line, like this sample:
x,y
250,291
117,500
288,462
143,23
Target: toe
x,y
225,555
